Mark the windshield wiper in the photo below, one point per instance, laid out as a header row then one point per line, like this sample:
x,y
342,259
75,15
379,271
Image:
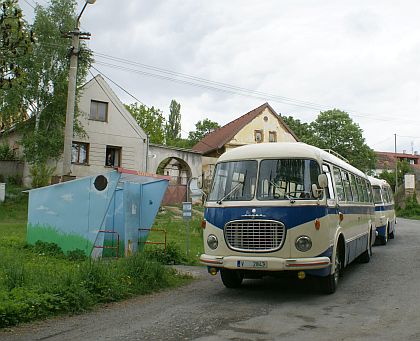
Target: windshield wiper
x,y
219,201
286,194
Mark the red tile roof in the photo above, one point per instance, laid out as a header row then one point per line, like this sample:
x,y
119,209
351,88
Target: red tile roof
x,y
386,160
219,137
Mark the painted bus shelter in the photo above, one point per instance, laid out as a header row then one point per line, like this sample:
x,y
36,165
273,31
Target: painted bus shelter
x,y
105,214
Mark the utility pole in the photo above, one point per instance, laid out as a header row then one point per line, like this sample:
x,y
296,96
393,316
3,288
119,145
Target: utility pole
x,y
75,36
396,163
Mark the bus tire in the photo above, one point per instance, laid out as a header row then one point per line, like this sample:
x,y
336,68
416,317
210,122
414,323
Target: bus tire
x,y
231,278
365,256
329,283
392,234
384,239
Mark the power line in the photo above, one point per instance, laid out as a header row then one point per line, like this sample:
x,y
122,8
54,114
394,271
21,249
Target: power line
x,y
203,80
173,76
127,92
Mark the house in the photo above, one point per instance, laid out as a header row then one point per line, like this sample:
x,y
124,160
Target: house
x,y
261,124
387,160
113,138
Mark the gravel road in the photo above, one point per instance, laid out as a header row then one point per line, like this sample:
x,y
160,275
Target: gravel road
x,y
375,301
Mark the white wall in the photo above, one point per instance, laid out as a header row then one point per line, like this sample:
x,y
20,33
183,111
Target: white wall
x,y
120,130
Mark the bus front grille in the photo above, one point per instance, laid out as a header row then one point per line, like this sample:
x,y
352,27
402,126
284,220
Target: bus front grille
x,y
254,235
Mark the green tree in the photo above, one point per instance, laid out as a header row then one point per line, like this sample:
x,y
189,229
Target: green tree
x,y
15,43
202,128
302,129
389,175
334,129
173,126
151,121
43,93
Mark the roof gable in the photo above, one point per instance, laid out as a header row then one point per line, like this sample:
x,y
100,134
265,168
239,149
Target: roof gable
x,y
219,137
99,82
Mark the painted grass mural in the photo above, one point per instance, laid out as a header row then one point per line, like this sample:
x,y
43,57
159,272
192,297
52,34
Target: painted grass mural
x,y
92,212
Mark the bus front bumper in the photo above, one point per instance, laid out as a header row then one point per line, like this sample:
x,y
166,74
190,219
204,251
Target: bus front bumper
x,y
264,263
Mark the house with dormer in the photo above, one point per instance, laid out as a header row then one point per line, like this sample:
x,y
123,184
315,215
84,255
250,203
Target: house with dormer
x,y
259,125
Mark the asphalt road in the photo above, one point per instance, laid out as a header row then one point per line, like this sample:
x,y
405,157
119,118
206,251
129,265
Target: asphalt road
x,y
375,301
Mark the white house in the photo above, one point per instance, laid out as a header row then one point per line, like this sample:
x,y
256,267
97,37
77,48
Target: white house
x,y
114,139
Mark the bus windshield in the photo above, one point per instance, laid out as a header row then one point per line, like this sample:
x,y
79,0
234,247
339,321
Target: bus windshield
x,y
286,179
234,180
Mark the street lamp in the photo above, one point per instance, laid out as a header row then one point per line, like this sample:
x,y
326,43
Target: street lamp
x,y
76,35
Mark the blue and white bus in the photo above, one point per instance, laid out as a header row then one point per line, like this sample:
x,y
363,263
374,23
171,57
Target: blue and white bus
x,y
286,208
385,219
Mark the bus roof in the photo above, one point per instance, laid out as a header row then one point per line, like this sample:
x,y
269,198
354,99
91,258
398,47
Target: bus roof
x,y
378,182
285,150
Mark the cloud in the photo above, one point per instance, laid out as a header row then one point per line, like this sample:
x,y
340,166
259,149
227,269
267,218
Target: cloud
x,y
67,197
360,56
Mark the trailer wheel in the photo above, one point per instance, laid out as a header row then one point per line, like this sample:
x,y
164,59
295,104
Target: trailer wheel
x,y
365,256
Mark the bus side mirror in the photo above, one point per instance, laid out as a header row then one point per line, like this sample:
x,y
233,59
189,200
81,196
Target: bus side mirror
x,y
316,192
322,180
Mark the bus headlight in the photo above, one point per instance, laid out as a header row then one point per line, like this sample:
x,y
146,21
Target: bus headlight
x,y
212,241
303,243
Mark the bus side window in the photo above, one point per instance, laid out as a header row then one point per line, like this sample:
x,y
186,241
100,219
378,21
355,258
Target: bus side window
x,y
346,185
386,195
365,191
369,191
330,189
339,185
354,188
361,189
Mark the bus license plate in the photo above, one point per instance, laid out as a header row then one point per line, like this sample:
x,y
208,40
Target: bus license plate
x,y
251,264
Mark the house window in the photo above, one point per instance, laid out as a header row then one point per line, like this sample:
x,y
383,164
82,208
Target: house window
x,y
258,136
98,111
113,156
80,153
272,136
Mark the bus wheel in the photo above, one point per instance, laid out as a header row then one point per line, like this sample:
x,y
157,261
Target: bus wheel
x,y
365,256
392,235
231,278
384,239
329,284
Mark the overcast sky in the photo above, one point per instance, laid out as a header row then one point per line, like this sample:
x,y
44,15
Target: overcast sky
x,y
359,56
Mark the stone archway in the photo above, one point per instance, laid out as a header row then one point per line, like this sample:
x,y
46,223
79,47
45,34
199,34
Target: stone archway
x,y
180,173
177,169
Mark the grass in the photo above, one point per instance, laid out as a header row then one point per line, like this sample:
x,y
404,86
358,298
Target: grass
x,y
170,219
40,281
411,208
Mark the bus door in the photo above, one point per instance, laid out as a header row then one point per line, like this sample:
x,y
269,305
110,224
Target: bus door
x,y
347,220
331,201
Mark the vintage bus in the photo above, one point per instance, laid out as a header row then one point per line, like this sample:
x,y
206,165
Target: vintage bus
x,y
385,219
286,208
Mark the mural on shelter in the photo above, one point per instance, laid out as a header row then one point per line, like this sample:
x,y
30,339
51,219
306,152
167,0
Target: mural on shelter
x,y
93,213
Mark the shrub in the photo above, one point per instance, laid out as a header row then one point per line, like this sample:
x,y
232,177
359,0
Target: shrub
x,y
14,180
6,153
41,175
46,249
411,209
173,254
76,255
